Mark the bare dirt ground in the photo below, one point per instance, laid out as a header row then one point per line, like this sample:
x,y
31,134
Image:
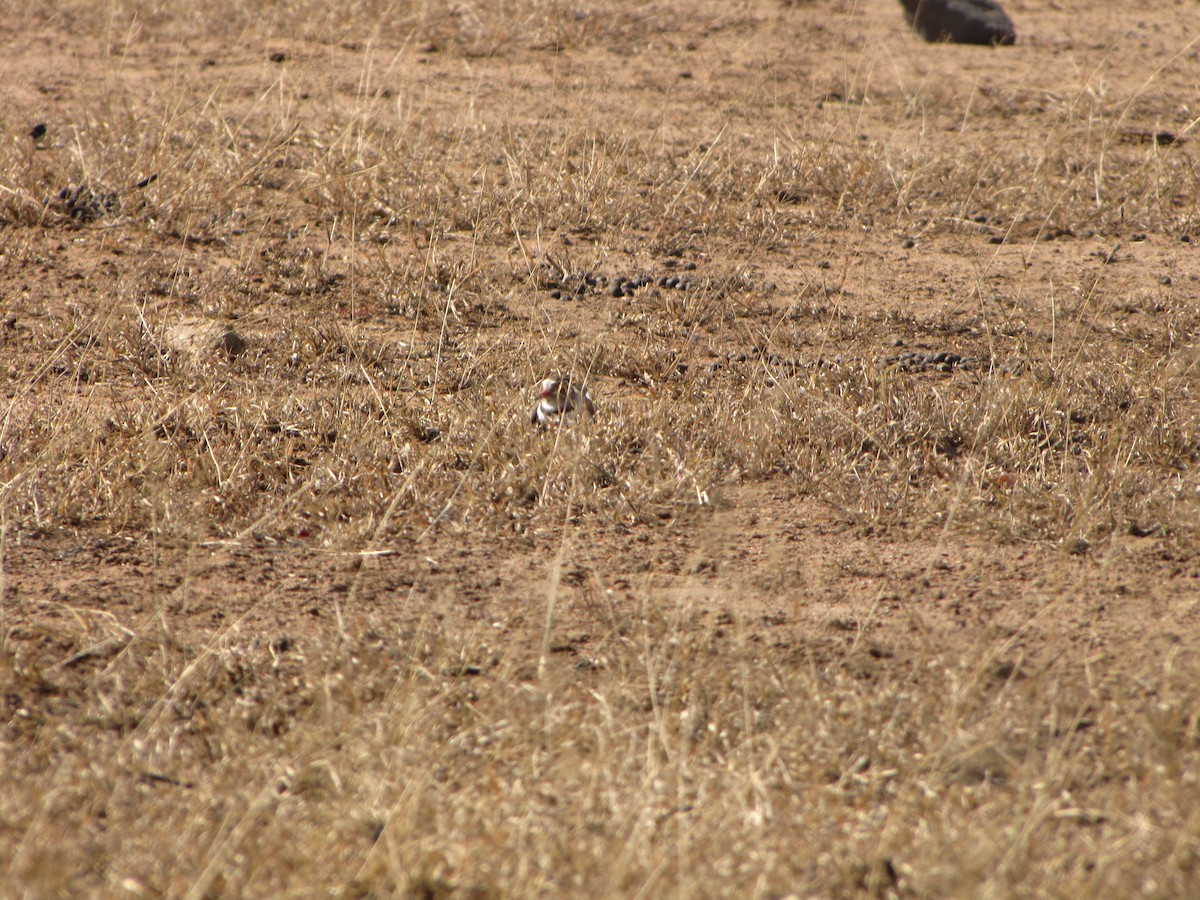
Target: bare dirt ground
x,y
876,572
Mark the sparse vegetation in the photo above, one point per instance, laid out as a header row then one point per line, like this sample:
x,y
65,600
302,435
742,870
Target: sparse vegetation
x,y
873,575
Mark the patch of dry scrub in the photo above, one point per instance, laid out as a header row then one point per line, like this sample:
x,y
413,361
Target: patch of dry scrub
x,y
411,757
399,219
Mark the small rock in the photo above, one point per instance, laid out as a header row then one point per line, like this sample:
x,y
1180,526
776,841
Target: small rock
x,y
197,337
960,21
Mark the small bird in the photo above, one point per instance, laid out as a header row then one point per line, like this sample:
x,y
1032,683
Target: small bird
x,y
563,401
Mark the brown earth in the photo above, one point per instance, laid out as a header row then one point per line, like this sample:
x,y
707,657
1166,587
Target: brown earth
x,y
380,203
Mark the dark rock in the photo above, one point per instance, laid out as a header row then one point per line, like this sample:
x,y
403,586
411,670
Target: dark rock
x,y
960,21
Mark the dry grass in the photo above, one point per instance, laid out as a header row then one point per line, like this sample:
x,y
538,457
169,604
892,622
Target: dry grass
x,y
384,242
679,758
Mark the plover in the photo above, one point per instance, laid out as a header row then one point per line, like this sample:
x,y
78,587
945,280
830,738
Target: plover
x,y
562,401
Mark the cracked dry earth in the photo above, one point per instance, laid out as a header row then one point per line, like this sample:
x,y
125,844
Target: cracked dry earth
x,y
776,287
